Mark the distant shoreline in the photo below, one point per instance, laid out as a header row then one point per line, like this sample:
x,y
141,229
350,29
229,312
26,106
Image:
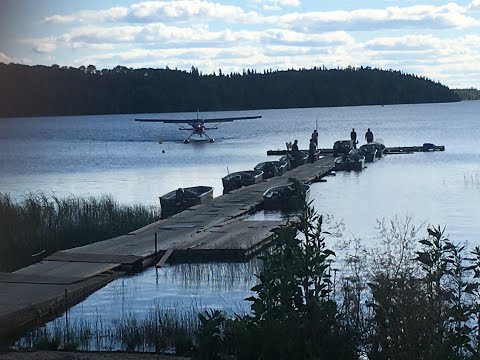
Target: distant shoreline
x,y
33,91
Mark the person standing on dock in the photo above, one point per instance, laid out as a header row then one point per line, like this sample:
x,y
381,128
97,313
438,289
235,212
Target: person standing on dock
x,y
369,136
295,147
315,137
296,154
353,137
311,150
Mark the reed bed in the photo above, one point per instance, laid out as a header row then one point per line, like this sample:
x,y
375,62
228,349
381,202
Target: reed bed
x,y
39,225
159,330
472,180
222,276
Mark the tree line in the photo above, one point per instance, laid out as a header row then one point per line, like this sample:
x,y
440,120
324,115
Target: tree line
x,y
468,94
54,90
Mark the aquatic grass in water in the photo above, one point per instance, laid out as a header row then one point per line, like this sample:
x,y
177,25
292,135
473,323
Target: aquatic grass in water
x,y
221,276
472,180
156,310
158,330
39,225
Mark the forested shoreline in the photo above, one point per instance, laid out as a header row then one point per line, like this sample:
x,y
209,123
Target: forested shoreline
x,y
468,94
54,90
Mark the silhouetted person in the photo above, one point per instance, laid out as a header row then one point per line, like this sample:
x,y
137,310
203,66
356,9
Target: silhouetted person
x,y
296,154
311,151
315,137
353,137
295,147
369,136
179,195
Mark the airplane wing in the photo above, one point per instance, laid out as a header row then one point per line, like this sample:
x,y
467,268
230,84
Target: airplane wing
x,y
171,121
220,120
190,121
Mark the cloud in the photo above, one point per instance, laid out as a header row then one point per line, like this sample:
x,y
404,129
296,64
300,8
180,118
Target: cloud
x,y
4,58
42,45
156,35
162,11
59,19
165,36
200,32
237,56
404,43
422,16
275,4
112,14
289,38
441,48
187,10
452,61
159,45
474,5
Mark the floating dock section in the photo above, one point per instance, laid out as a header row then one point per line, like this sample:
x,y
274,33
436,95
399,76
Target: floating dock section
x,y
388,150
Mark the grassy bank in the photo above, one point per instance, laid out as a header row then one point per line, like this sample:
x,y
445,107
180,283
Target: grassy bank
x,y
39,225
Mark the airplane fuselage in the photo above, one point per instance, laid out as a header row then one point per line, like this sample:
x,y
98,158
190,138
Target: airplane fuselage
x,y
198,128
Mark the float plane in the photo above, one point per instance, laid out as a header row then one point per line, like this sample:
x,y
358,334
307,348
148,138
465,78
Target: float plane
x,y
197,126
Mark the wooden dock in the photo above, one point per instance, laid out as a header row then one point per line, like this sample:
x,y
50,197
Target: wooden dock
x,y
217,231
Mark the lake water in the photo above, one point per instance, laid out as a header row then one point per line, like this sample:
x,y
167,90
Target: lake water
x,y
137,162
94,155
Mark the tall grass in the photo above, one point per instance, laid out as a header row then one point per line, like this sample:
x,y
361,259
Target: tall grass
x,y
39,225
159,330
472,180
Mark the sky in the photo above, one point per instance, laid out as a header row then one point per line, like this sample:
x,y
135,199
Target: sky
x,y
436,39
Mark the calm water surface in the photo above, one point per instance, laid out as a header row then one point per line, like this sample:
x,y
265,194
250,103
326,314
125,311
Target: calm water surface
x,y
93,155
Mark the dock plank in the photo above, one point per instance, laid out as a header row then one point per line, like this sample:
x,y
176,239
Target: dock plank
x,y
67,269
93,258
37,279
165,257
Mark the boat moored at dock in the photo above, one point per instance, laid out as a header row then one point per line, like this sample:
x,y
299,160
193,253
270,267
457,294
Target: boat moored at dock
x,y
285,197
380,149
299,158
239,179
369,151
269,169
352,161
282,166
181,199
272,168
342,147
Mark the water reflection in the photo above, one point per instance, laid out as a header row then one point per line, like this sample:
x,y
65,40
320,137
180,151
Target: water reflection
x,y
172,296
183,286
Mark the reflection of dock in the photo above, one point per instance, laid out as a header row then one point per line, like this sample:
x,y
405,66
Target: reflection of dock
x,y
217,231
388,150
